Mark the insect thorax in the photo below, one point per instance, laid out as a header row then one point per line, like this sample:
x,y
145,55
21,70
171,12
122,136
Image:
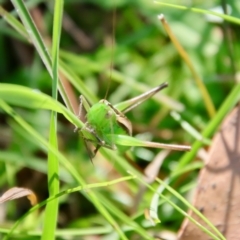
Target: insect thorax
x,y
105,119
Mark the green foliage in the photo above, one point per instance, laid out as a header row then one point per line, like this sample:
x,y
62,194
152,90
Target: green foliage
x,y
143,57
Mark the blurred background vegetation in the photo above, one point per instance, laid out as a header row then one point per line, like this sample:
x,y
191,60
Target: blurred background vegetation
x,y
143,57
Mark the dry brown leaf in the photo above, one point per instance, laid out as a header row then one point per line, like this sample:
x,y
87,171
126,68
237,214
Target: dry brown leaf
x,y
16,192
218,192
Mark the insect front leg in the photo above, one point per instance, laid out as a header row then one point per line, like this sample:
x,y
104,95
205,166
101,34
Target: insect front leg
x,y
82,110
89,135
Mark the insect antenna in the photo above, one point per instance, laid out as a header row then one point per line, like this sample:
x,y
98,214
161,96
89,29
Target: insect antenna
x,y
112,49
112,59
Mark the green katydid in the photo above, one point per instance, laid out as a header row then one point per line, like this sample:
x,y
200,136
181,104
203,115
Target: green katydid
x,y
107,126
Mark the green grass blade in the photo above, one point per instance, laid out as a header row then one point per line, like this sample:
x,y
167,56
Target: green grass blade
x,y
175,193
200,215
31,162
77,83
38,43
45,145
199,10
51,213
12,21
33,33
26,97
189,128
226,107
128,221
69,191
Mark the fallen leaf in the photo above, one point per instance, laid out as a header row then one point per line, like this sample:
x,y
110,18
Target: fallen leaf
x,y
16,192
218,193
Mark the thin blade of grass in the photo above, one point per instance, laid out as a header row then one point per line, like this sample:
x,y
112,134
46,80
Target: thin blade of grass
x,y
175,193
155,199
38,43
34,163
72,190
77,82
12,21
69,191
199,10
185,202
44,144
26,97
206,97
51,213
189,128
225,108
68,73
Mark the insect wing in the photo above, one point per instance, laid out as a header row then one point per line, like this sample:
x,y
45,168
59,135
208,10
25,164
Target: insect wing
x,y
128,105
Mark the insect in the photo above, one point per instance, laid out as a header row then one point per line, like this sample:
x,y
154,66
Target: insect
x,y
104,122
107,126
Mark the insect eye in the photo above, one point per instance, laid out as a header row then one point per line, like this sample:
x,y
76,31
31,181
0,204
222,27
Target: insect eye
x,y
109,114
